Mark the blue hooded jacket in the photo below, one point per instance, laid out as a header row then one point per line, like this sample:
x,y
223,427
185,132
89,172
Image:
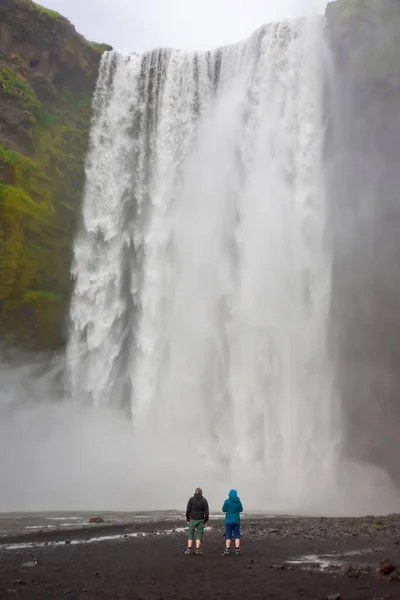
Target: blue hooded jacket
x,y
232,507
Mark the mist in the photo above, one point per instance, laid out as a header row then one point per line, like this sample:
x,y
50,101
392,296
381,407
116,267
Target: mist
x,y
60,455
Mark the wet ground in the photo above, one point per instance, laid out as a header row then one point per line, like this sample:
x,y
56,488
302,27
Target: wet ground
x,y
21,523
140,556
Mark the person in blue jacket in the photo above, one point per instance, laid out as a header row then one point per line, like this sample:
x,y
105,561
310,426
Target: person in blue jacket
x,y
232,507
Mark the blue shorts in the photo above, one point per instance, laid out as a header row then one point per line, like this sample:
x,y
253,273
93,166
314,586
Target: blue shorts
x,y
232,528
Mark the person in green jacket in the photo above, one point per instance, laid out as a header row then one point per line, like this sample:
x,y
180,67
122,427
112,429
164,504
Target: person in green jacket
x,y
232,507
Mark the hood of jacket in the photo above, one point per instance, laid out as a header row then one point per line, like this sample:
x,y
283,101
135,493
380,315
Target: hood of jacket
x,y
233,496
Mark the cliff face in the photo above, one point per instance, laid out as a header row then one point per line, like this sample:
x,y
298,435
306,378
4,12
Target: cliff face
x,y
47,76
364,150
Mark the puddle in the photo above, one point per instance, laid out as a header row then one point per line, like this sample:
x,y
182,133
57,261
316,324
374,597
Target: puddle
x,y
315,561
323,562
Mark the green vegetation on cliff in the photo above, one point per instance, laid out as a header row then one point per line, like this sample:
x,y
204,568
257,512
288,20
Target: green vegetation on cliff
x,y
46,85
13,85
41,10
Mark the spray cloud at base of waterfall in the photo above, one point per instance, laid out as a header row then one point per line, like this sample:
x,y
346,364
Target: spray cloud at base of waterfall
x,y
59,454
202,297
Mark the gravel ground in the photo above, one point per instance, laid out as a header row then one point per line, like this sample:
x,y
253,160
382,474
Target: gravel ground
x,y
142,558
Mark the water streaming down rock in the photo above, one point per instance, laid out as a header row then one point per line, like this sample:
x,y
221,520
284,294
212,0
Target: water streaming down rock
x,y
202,269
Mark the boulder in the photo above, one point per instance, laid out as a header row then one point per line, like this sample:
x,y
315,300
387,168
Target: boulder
x,y
96,520
387,567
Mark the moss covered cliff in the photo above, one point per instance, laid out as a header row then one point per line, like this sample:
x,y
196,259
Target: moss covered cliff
x,y
47,75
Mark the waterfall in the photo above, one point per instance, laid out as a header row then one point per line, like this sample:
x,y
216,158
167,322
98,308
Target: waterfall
x,y
202,267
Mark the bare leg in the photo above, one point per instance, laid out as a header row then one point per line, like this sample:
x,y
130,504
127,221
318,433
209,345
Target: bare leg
x,y
198,544
237,543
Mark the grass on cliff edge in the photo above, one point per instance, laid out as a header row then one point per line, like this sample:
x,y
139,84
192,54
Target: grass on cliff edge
x,y
41,11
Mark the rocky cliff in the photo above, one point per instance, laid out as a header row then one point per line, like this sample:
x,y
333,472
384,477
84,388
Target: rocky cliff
x,y
363,150
47,76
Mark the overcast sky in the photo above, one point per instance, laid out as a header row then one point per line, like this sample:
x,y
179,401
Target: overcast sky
x,y
134,25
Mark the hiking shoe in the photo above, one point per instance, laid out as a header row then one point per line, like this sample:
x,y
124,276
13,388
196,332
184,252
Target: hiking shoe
x,y
187,551
198,552
238,551
227,552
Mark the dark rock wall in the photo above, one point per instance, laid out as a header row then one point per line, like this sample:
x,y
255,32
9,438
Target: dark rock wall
x,y
364,154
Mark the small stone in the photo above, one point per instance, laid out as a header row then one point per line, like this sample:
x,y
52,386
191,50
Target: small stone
x,y
346,568
387,566
96,520
67,541
334,597
278,567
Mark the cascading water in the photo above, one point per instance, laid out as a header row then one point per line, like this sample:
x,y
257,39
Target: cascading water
x,y
202,269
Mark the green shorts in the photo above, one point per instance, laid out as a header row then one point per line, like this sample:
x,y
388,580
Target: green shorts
x,y
196,527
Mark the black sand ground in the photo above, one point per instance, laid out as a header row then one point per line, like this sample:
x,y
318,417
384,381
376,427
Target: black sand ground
x,y
154,566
